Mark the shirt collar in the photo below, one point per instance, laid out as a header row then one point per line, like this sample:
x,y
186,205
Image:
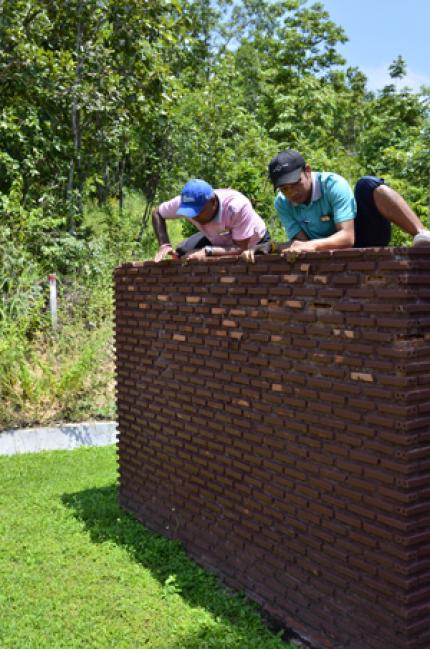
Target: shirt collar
x,y
316,187
217,217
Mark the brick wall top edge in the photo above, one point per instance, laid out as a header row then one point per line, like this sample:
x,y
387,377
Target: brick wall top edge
x,y
350,253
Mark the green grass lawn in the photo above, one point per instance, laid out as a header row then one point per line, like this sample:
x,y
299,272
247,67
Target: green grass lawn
x,y
77,571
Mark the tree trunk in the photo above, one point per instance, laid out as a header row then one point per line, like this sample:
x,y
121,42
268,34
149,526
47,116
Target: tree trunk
x,y
71,222
75,198
121,166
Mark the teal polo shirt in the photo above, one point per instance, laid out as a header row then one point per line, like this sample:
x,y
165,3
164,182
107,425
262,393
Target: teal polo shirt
x,y
332,202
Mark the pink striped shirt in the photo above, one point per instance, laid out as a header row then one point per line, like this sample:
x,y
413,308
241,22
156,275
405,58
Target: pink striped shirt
x,y
235,220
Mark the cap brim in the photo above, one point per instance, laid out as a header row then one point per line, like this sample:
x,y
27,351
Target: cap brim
x,y
291,177
190,212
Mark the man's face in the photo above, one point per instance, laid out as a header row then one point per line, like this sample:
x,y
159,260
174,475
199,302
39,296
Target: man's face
x,y
300,191
208,212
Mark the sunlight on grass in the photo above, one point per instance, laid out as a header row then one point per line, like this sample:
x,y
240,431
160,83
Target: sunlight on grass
x,y
76,571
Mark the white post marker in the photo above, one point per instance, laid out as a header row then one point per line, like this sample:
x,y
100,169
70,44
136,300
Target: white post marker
x,y
53,298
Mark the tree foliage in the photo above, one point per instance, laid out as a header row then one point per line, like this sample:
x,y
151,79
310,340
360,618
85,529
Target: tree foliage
x,y
100,95
103,98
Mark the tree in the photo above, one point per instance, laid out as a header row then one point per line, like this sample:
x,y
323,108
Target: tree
x,y
397,68
75,78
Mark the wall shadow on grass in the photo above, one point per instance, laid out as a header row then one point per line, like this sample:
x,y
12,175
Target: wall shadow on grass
x,y
239,623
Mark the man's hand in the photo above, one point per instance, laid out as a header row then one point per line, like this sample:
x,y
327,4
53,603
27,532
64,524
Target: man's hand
x,y
298,246
248,256
165,250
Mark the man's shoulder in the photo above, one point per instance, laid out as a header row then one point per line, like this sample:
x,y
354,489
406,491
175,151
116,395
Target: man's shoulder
x,y
169,207
232,201
332,181
338,197
231,195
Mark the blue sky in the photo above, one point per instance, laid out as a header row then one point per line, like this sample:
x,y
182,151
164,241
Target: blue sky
x,y
380,30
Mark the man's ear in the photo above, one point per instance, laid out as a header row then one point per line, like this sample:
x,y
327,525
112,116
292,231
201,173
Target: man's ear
x,y
307,168
213,204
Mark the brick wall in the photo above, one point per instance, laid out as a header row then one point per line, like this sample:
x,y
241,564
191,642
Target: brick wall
x,y
275,418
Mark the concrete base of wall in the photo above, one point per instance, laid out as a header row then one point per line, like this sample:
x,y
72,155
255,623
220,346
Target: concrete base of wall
x,y
65,437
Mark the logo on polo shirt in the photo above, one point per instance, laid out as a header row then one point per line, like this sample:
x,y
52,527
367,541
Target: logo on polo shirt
x,y
325,218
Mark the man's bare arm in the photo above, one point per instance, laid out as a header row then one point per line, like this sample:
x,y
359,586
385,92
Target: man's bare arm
x,y
165,249
344,237
160,229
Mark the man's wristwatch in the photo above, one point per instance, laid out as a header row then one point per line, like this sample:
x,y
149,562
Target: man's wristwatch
x,y
208,251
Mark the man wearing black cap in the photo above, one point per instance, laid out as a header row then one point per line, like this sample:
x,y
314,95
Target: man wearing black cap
x,y
319,212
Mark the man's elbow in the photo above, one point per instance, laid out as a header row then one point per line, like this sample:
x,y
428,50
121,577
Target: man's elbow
x,y
348,236
350,240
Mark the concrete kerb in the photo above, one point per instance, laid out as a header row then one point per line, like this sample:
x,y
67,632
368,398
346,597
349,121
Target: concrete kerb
x,y
63,437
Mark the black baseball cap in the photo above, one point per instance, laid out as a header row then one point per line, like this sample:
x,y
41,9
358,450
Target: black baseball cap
x,y
286,167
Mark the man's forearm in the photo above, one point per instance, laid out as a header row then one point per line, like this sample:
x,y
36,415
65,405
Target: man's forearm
x,y
218,251
336,241
213,251
341,239
160,229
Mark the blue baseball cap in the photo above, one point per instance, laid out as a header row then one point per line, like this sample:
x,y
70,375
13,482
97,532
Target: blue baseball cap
x,y
194,197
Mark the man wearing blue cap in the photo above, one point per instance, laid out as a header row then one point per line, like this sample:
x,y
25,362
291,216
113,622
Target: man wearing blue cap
x,y
319,211
225,218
